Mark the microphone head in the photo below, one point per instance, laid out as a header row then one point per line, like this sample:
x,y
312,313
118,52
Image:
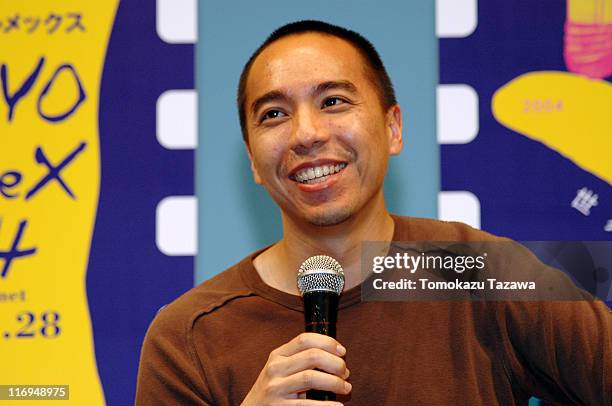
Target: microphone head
x,y
320,273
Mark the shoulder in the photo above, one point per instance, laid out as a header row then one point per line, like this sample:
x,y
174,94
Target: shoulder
x,y
416,228
180,315
170,370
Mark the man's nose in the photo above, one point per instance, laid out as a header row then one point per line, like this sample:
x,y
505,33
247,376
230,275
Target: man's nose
x,y
308,132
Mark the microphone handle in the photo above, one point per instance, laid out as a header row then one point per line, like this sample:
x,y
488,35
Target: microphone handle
x,y
320,314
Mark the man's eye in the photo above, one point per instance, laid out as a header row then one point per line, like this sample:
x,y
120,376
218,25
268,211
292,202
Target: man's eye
x,y
271,114
332,101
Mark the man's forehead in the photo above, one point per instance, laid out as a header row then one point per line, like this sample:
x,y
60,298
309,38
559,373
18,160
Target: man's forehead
x,y
306,58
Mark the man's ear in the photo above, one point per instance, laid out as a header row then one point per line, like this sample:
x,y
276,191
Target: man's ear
x,y
394,129
256,176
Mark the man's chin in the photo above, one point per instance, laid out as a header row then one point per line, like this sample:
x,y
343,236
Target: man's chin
x,y
329,218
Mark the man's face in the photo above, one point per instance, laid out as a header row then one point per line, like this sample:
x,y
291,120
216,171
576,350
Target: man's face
x,y
319,139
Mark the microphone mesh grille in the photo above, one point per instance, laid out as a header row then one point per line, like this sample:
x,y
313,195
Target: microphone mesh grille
x,y
320,273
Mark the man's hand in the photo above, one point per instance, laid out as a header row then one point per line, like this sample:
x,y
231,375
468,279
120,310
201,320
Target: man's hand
x,y
290,372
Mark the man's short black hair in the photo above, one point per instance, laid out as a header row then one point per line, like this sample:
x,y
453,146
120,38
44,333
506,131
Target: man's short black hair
x,y
375,69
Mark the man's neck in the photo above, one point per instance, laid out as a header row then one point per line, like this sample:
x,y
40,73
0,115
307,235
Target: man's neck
x,y
278,265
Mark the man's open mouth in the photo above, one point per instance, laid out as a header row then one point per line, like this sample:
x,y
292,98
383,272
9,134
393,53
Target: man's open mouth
x,y
317,174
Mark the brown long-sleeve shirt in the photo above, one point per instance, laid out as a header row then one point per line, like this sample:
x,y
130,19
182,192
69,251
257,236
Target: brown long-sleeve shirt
x,y
209,346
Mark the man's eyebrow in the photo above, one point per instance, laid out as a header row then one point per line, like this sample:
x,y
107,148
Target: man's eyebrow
x,y
275,95
268,97
335,85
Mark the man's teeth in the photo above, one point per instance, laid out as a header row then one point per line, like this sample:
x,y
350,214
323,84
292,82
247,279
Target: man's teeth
x,y
310,174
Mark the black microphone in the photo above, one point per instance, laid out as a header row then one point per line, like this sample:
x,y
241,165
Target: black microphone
x,y
320,281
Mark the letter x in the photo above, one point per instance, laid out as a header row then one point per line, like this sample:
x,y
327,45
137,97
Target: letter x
x,y
54,171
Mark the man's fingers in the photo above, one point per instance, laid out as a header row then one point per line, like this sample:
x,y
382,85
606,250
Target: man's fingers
x,y
314,358
311,379
310,340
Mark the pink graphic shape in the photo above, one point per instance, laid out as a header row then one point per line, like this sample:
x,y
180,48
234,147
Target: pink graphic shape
x,y
588,46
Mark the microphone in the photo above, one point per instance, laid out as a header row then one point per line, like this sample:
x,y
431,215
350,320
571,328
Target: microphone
x,y
320,281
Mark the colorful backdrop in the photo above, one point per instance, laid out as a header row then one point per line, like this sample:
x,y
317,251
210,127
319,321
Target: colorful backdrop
x,y
529,85
525,125
98,124
90,182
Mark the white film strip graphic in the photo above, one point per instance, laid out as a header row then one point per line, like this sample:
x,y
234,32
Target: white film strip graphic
x,y
176,128
457,109
177,21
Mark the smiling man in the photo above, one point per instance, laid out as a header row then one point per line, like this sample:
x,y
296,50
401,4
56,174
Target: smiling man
x,y
320,122
319,132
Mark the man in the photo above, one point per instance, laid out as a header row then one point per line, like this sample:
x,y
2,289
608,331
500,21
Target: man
x,y
320,121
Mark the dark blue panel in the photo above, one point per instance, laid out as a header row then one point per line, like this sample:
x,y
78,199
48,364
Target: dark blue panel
x,y
525,188
128,278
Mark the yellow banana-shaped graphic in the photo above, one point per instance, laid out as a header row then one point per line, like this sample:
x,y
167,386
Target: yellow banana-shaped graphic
x,y
567,112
